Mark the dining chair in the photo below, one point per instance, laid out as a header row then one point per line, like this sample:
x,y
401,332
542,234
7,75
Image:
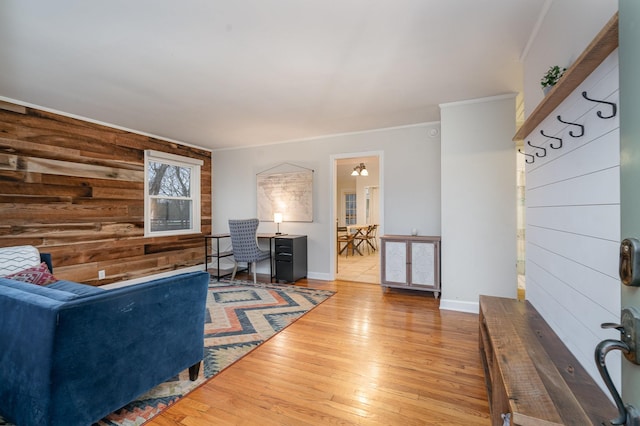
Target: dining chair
x,y
368,238
244,244
372,238
346,238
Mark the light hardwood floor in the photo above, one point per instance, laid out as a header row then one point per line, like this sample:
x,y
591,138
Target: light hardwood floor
x,y
363,357
361,268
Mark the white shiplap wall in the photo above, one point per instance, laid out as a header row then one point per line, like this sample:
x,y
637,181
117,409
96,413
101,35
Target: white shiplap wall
x,y
573,219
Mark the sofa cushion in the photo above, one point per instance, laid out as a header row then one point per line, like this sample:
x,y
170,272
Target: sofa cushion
x,y
17,258
38,275
75,288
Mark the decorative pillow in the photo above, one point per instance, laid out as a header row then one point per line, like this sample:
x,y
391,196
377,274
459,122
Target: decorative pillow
x,y
17,258
39,275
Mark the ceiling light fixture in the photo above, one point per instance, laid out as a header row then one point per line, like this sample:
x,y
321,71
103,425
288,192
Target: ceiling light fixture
x,y
360,170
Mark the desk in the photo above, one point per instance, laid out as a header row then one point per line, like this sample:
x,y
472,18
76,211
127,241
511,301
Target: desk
x,y
217,254
291,257
271,238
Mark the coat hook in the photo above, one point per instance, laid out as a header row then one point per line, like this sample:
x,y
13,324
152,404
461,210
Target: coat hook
x,y
552,137
544,150
614,107
533,159
573,124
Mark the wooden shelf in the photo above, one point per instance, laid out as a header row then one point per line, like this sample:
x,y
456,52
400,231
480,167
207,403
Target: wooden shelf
x,y
602,45
530,373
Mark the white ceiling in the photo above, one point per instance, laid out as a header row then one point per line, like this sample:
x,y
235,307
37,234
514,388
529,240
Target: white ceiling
x,y
221,74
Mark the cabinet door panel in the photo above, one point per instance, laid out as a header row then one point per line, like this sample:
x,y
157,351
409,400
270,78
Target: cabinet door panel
x,y
423,264
395,266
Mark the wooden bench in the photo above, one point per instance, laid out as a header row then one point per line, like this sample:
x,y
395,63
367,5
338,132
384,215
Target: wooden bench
x,y
531,374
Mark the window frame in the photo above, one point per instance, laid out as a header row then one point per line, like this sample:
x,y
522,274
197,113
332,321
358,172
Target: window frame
x,y
194,183
347,194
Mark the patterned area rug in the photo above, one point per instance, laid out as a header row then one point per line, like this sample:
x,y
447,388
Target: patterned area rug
x,y
240,317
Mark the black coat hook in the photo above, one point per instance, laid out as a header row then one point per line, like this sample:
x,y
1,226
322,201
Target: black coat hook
x,y
544,150
533,159
573,124
614,107
552,137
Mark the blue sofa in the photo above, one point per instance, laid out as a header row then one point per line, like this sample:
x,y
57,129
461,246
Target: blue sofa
x,y
70,353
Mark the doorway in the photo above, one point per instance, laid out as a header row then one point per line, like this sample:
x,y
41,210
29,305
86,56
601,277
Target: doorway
x,y
357,200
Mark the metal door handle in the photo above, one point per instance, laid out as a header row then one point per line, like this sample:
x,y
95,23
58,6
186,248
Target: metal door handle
x,y
602,350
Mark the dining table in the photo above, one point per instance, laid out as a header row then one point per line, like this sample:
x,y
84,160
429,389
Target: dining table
x,y
356,231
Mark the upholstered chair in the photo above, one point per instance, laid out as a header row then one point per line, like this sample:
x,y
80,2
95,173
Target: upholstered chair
x,y
244,242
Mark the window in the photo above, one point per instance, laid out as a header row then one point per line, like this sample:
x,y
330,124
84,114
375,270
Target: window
x,y
172,194
350,211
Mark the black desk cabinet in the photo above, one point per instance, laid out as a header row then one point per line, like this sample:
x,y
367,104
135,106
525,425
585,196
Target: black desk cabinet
x,y
291,257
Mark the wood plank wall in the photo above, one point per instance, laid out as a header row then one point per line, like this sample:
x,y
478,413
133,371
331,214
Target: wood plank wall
x,y
573,217
75,189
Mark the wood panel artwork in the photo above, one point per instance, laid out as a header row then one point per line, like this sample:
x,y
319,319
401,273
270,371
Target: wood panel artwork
x,y
75,189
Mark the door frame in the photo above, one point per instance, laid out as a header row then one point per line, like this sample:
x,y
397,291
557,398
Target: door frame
x,y
629,63
333,166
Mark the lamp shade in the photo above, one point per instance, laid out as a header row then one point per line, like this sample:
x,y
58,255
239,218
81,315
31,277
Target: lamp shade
x,y
360,170
277,217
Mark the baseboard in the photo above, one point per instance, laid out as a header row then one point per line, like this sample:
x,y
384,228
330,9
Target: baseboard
x,y
318,276
460,306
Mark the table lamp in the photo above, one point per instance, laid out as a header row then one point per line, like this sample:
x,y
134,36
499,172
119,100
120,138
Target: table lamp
x,y
277,218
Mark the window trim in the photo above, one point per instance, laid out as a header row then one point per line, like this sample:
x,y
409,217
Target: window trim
x,y
345,193
175,160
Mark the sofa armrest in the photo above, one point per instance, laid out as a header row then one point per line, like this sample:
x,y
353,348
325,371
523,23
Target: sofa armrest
x,y
74,362
118,344
27,334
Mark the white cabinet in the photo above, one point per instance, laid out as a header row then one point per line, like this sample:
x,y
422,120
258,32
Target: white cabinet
x,y
410,262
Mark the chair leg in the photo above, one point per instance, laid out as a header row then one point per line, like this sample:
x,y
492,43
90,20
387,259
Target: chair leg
x,y
253,266
235,269
370,245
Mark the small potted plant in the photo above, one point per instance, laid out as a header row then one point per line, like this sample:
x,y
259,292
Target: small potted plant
x,y
551,77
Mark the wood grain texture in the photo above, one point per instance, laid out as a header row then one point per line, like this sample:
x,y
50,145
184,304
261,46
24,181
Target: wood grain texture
x,y
76,189
531,373
600,47
361,357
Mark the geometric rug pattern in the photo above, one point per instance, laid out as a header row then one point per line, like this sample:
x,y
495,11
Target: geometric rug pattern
x,y
239,317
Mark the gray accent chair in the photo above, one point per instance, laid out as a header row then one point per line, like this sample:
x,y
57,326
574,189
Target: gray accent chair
x,y
244,242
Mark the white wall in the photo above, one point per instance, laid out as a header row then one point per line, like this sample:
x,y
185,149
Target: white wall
x,y
410,171
478,201
566,30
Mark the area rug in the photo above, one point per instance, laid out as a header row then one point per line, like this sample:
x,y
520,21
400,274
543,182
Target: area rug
x,y
240,316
